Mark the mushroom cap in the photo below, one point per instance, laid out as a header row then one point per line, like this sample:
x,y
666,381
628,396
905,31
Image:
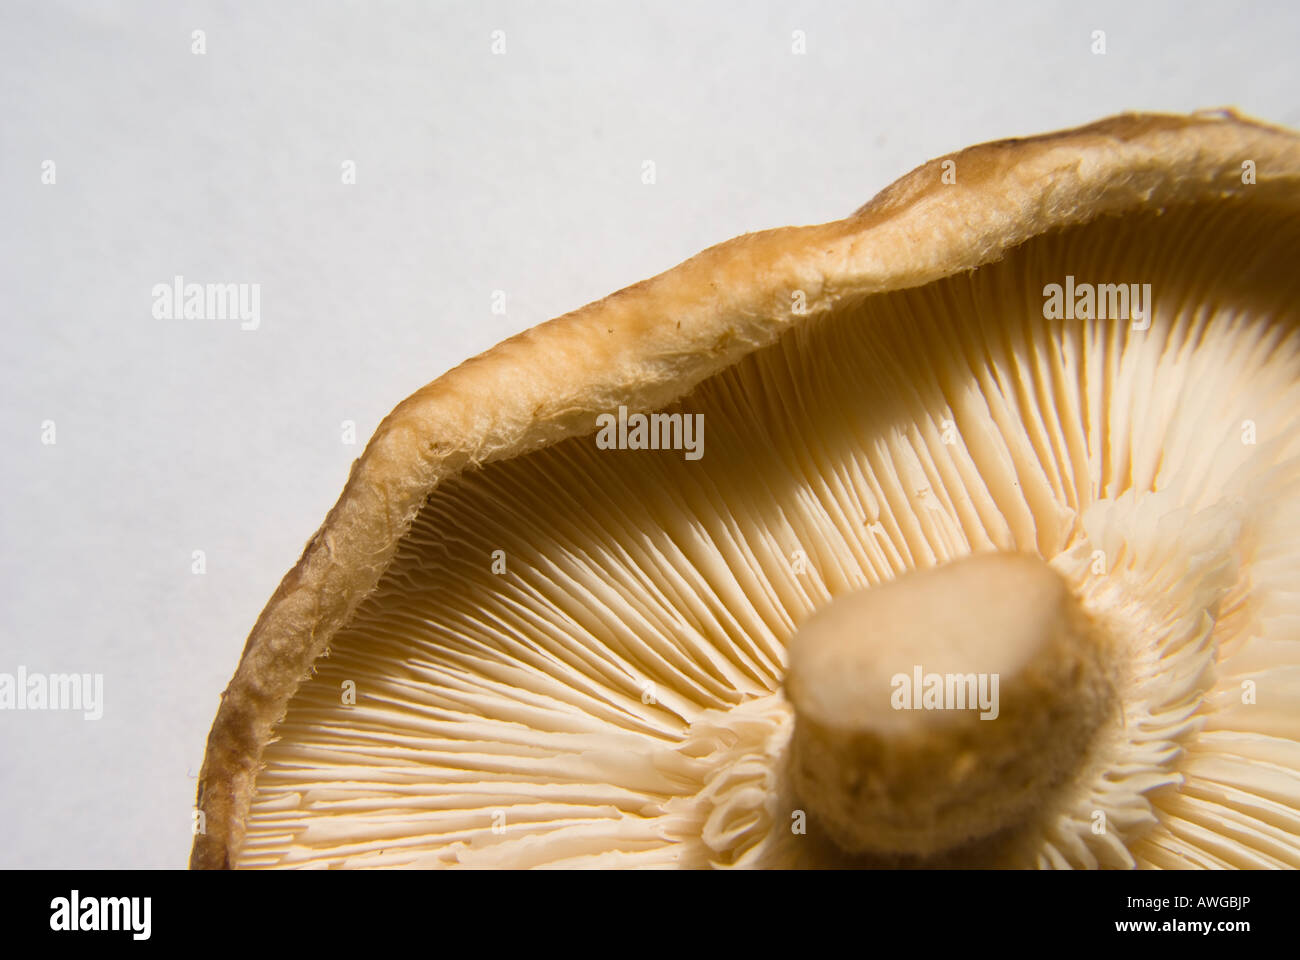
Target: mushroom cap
x,y
1178,545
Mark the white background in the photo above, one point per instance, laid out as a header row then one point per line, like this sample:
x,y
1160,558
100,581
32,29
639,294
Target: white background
x,y
475,172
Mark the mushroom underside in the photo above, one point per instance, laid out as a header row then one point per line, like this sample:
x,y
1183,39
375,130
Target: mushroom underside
x,y
577,655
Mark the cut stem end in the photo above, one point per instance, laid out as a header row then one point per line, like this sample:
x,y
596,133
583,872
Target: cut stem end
x,y
944,706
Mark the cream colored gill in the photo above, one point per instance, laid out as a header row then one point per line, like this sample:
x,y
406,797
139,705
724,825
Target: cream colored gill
x,y
613,694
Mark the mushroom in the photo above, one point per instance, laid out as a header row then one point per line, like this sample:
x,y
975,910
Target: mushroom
x,y
959,531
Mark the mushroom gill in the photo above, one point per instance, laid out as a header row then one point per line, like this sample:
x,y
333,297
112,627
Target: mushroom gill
x,y
577,655
612,693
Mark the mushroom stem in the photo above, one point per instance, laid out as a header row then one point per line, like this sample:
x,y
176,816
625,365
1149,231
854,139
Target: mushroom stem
x,y
946,705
